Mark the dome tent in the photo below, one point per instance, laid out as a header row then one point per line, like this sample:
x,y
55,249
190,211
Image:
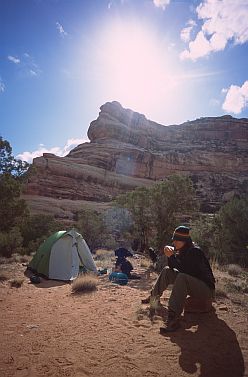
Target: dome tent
x,y
62,255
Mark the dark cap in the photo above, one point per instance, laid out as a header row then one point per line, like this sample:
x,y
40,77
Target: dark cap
x,y
181,233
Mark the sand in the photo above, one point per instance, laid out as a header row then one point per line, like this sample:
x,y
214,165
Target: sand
x,y
47,331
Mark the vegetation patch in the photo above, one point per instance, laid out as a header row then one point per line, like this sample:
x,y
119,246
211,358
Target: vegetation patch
x,y
84,284
16,283
3,276
234,270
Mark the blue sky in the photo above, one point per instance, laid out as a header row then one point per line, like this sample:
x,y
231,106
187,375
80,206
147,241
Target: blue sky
x,y
171,60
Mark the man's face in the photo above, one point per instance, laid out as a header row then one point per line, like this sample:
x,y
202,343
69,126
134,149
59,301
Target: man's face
x,y
178,244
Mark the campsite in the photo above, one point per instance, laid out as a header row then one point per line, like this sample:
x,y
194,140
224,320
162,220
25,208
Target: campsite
x,y
124,188
48,331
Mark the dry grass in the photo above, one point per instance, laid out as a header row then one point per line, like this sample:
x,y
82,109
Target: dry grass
x,y
4,276
221,290
104,258
84,284
16,283
145,263
104,254
234,270
21,258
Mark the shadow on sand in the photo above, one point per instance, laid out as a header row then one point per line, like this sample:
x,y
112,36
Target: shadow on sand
x,y
45,283
212,349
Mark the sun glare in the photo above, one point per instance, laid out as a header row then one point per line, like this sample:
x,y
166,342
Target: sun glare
x,y
136,65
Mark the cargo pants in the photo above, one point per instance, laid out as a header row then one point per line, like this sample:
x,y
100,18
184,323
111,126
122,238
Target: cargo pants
x,y
183,285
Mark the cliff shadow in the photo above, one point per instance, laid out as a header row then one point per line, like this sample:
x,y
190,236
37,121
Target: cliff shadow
x,y
212,349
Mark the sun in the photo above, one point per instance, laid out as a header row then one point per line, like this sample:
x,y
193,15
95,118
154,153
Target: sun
x,y
136,65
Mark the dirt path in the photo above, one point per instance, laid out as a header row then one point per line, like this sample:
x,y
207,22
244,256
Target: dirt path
x,y
47,331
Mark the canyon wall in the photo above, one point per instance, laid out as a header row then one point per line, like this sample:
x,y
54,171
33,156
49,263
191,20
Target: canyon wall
x,y
127,150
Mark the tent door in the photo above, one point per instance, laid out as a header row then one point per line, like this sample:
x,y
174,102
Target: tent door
x,y
64,261
75,263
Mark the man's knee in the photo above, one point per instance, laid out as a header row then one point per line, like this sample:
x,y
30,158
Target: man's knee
x,y
181,278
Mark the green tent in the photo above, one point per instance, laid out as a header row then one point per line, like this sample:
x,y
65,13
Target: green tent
x,y
62,256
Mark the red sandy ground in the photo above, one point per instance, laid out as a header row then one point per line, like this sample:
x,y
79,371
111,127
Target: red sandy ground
x,y
47,331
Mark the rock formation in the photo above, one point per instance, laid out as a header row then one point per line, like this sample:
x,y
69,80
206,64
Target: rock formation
x,y
127,150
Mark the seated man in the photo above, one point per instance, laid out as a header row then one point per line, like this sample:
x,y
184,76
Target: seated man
x,y
190,273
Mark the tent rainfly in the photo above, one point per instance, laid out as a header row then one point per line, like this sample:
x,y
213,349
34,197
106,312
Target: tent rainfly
x,y
62,256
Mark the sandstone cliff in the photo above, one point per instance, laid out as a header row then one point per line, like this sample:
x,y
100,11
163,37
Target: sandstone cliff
x,y
127,150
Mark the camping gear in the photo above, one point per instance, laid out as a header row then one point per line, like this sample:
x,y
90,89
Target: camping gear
x,y
35,279
62,256
118,278
121,262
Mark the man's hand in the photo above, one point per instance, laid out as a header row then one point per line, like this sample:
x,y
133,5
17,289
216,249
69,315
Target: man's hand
x,y
168,250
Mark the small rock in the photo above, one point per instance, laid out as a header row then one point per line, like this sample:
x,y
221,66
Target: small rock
x,y
223,308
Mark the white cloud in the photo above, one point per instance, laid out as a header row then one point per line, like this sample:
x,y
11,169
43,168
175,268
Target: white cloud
x,y
2,86
161,3
199,47
13,59
29,66
61,30
186,32
236,98
58,151
223,21
32,72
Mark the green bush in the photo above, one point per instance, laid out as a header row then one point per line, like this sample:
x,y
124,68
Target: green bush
x,y
36,228
10,242
224,236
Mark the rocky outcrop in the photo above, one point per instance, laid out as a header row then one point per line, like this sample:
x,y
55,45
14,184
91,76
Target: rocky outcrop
x,y
127,150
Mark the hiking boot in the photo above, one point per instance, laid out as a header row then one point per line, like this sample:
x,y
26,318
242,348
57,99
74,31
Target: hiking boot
x,y
172,323
152,300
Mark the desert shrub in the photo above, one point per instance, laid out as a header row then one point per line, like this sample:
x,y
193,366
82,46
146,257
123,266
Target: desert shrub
x,y
3,276
16,283
234,270
154,210
118,221
238,286
231,232
20,258
84,284
36,228
104,254
10,242
104,258
91,225
224,236
202,234
221,290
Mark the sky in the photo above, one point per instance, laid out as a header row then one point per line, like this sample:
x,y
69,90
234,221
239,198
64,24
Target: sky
x,y
171,60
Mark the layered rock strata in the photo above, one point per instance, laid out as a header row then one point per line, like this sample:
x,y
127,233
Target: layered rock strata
x,y
127,150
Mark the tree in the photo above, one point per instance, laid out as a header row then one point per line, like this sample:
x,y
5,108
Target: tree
x,y
91,225
137,202
12,208
8,164
169,201
230,237
155,210
38,227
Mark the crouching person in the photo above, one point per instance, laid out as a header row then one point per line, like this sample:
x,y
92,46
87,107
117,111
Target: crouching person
x,y
190,274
